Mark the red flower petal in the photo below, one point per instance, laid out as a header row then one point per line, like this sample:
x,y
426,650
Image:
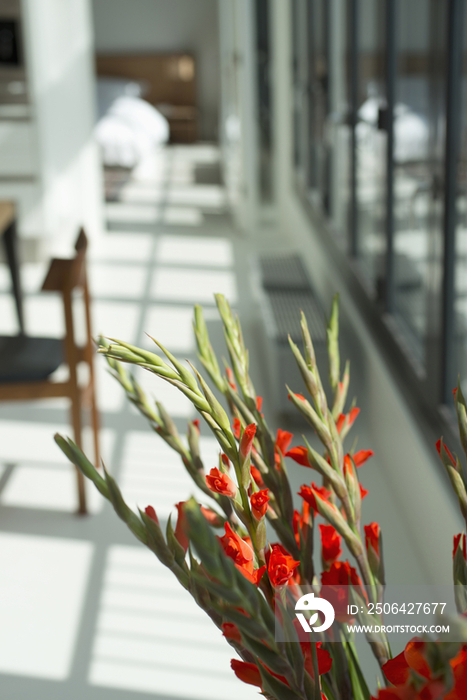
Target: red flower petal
x,y
300,455
259,503
281,565
181,529
220,483
397,670
151,513
246,441
457,541
330,543
448,451
372,532
248,673
236,428
362,456
231,631
283,440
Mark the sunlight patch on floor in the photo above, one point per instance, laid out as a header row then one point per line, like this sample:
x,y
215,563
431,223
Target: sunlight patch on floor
x,y
171,326
124,246
151,636
174,402
207,197
117,280
47,488
153,474
195,250
33,443
132,213
182,216
42,591
194,286
117,319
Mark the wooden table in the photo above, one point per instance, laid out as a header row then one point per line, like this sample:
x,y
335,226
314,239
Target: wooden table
x,y
10,242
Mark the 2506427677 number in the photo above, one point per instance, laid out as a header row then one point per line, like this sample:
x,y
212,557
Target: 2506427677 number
x,y
400,608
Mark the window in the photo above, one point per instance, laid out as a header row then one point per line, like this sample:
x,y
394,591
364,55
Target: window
x,y
380,116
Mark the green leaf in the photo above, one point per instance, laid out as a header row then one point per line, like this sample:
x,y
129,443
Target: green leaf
x,y
276,688
123,511
174,545
156,541
359,686
79,459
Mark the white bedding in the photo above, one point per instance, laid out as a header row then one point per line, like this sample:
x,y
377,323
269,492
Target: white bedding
x,y
128,127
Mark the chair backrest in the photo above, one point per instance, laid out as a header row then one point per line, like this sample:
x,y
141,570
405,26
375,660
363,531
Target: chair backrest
x,y
66,274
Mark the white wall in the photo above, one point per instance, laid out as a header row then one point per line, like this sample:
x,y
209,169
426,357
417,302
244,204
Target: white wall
x,y
59,57
167,25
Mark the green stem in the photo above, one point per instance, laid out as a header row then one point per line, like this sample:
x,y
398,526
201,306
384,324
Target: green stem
x,y
314,657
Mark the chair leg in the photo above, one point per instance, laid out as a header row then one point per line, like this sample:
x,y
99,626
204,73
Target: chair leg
x,y
76,422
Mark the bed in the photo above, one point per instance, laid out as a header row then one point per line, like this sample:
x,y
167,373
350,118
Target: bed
x,y
128,127
143,101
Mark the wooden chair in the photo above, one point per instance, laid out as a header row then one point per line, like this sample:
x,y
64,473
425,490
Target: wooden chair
x,y
26,362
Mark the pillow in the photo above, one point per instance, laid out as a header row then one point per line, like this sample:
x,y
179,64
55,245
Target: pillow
x,y
142,117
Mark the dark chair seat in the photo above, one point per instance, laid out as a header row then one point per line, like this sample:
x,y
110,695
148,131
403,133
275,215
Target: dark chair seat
x,y
27,359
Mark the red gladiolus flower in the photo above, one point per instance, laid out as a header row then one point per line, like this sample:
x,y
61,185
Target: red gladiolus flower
x,y
246,442
449,453
248,673
242,555
212,517
457,542
300,520
259,403
151,513
330,544
220,483
347,464
283,440
256,474
181,528
297,523
363,492
347,419
236,548
362,456
236,428
335,587
311,493
324,658
281,565
225,460
231,631
196,423
259,503
398,671
372,532
300,455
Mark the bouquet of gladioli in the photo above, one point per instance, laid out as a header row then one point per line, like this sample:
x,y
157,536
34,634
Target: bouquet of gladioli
x,y
241,578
